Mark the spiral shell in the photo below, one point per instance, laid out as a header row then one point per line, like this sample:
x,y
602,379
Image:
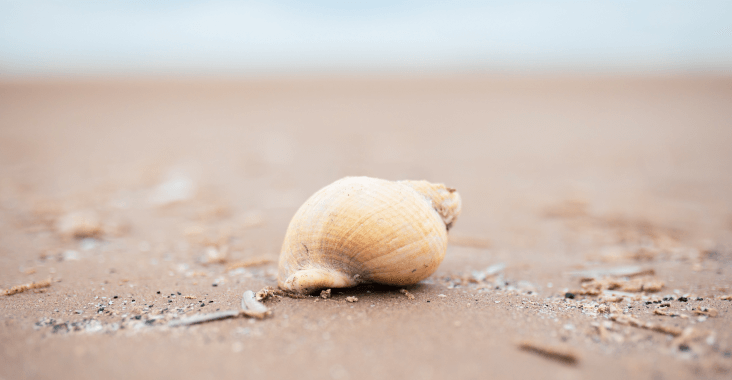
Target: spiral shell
x,y
367,230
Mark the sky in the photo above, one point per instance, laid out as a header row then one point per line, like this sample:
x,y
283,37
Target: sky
x,y
80,38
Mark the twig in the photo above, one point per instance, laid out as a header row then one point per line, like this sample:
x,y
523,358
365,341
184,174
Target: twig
x,y
21,288
632,321
201,318
554,353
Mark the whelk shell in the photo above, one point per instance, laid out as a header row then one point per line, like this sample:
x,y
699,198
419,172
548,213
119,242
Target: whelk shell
x,y
367,230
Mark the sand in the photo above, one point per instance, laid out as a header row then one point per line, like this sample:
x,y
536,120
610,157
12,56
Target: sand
x,y
595,241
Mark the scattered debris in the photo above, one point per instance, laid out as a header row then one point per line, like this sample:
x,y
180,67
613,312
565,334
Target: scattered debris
x,y
668,313
727,297
562,355
628,271
267,292
469,241
189,297
602,331
635,322
217,255
201,318
21,288
351,299
253,308
494,269
408,294
250,307
70,255
79,224
709,312
249,263
594,287
177,187
480,277
325,294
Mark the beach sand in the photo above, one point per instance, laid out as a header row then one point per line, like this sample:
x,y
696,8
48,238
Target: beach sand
x,y
131,194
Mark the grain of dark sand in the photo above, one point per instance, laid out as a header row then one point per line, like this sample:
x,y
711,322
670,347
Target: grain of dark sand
x,y
180,179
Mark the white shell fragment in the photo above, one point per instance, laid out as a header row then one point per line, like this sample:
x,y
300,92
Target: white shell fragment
x,y
250,307
367,230
253,308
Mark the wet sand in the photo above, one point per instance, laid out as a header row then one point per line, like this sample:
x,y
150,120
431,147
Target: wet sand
x,y
116,190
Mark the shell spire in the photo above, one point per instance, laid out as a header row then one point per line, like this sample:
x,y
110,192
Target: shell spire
x,y
446,201
367,230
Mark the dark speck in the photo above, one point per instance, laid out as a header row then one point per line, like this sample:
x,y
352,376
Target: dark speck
x,y
179,293
214,284
428,301
683,347
114,297
158,292
683,299
210,301
569,295
699,299
169,301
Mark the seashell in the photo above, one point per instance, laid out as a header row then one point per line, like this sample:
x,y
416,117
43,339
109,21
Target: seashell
x,y
367,230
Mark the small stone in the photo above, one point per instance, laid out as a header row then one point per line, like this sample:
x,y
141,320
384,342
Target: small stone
x,y
325,294
79,311
569,295
351,299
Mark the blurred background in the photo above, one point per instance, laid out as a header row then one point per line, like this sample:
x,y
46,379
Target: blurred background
x,y
39,38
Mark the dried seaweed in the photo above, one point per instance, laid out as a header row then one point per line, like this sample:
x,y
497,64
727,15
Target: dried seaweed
x,y
22,288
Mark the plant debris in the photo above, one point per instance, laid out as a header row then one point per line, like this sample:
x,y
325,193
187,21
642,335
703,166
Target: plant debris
x,y
709,312
668,313
267,292
21,288
406,293
635,322
561,355
594,287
